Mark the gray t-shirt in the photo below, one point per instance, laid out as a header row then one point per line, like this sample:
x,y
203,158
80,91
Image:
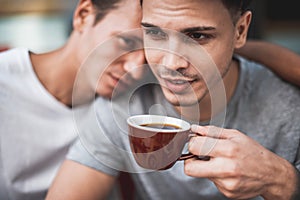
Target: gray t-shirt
x,y
264,107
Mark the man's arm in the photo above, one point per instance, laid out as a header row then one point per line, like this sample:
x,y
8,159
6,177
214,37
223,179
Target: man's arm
x,y
281,60
76,182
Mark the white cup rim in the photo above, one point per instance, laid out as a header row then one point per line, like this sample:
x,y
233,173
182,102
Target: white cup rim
x,y
137,120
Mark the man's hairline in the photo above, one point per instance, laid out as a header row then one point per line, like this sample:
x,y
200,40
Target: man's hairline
x,y
116,6
234,19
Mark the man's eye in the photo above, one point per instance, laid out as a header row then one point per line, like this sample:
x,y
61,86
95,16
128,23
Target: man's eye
x,y
155,33
127,43
197,36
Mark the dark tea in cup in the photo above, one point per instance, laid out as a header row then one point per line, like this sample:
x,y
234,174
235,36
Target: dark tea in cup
x,y
157,141
162,126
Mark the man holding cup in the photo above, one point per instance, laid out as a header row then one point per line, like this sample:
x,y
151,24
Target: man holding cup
x,y
189,46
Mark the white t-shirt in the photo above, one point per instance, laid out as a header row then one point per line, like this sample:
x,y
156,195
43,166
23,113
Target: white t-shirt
x,y
36,130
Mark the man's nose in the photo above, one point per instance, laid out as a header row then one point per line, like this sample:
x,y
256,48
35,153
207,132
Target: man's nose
x,y
174,62
135,64
174,57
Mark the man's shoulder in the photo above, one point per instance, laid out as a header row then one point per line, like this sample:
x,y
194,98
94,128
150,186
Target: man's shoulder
x,y
268,91
112,113
13,60
134,101
11,54
262,78
278,86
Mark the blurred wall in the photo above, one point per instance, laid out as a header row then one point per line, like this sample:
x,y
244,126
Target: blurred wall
x,y
40,25
277,22
21,6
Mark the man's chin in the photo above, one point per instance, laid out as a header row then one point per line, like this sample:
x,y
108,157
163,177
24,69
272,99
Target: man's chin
x,y
183,103
181,100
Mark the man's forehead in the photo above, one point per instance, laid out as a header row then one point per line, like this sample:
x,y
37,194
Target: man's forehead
x,y
178,14
179,5
172,7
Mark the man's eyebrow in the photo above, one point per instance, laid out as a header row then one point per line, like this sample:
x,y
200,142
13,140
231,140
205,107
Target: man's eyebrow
x,y
198,28
148,25
185,30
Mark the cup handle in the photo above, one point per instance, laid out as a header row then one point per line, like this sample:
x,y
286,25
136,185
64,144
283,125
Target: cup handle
x,y
190,155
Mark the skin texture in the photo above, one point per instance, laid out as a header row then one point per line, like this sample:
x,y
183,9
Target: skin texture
x,y
79,182
234,169
219,39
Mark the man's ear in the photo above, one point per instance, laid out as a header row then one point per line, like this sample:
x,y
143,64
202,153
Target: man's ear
x,y
81,15
242,27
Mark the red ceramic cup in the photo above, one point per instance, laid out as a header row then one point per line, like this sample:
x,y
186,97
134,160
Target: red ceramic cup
x,y
157,141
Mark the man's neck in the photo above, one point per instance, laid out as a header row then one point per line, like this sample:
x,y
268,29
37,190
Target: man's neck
x,y
56,72
230,81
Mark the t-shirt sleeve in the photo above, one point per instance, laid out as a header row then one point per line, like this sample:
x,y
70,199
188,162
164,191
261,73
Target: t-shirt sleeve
x,y
99,144
297,163
78,153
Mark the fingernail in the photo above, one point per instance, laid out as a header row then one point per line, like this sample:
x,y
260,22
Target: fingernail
x,y
194,127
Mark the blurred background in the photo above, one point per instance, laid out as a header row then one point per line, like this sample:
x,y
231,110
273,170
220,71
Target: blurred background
x,y
43,25
40,25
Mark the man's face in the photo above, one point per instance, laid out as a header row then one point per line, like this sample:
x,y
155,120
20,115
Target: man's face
x,y
107,37
210,26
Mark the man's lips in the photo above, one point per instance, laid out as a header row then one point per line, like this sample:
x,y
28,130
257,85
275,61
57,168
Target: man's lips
x,y
120,82
178,85
178,78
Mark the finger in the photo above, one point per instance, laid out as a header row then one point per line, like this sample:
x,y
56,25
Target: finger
x,y
214,168
213,131
213,147
201,130
209,131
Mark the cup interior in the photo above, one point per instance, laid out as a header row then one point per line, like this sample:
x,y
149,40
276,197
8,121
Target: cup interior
x,y
141,122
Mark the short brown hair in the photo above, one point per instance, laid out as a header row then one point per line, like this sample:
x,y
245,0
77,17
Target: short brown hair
x,y
103,7
236,7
